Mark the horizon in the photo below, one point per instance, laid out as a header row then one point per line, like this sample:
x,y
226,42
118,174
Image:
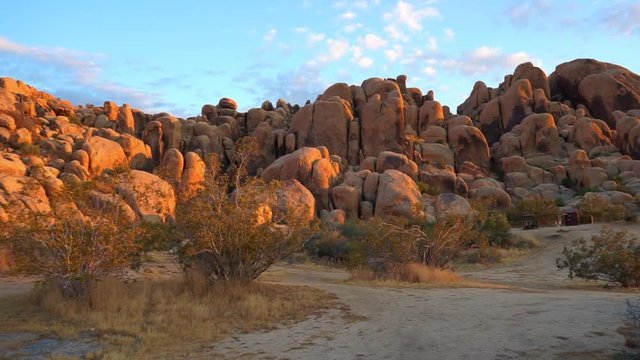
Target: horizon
x,y
132,53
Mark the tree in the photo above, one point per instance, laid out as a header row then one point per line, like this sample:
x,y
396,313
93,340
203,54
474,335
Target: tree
x,y
613,256
80,241
236,228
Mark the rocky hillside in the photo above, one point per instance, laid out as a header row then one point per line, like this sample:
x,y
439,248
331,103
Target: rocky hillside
x,y
377,149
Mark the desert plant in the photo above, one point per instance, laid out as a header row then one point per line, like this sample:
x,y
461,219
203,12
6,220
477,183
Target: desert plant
x,y
612,255
560,202
30,150
496,229
77,243
600,209
385,245
543,209
585,190
240,229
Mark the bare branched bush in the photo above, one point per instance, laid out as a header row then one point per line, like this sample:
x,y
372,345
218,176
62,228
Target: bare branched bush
x,y
235,228
385,246
612,256
77,243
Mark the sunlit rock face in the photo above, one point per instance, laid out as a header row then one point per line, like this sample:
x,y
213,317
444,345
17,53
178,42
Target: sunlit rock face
x,y
379,148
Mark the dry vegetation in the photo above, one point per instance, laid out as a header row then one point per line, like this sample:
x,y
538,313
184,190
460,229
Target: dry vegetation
x,y
151,318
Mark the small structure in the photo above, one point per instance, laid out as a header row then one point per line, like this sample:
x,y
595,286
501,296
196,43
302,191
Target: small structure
x,y
530,221
570,218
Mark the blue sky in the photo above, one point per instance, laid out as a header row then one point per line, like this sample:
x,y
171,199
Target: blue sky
x,y
178,55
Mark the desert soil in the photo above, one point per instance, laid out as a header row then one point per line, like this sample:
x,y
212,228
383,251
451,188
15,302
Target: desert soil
x,y
536,313
541,315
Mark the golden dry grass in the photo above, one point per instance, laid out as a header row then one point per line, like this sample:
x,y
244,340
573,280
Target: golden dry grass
x,y
417,274
168,318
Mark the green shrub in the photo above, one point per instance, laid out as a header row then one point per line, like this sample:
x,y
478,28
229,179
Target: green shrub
x,y
613,256
425,188
545,210
560,202
30,150
584,190
568,183
600,209
496,228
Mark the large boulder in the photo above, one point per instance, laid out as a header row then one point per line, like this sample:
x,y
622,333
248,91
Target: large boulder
x,y
297,165
104,154
390,160
469,144
451,204
293,197
193,175
10,164
397,195
152,198
600,86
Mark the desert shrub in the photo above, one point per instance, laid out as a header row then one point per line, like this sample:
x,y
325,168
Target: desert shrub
x,y
600,209
568,183
560,202
409,273
584,190
329,245
612,255
235,234
483,255
79,242
384,246
543,209
428,189
496,228
30,150
527,241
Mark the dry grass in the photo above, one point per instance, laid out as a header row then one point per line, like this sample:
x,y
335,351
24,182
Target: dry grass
x,y
167,317
416,274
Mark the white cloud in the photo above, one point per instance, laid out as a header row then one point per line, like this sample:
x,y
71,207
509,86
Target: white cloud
x,y
315,38
352,27
349,15
523,12
394,53
365,62
374,42
449,34
301,29
395,33
486,59
338,48
270,35
72,70
429,71
409,16
432,43
622,18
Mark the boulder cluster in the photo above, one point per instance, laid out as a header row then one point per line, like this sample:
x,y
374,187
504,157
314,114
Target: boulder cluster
x,y
378,149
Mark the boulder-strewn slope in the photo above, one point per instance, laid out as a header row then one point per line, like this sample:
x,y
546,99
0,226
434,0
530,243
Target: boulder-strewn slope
x,y
377,149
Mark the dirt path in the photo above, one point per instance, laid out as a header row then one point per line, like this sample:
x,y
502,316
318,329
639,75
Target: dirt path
x,y
539,318
541,315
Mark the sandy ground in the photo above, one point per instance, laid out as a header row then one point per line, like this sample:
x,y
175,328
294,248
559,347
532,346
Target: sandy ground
x,y
540,314
543,315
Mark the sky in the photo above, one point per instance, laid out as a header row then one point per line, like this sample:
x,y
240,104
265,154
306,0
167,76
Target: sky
x,y
175,56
